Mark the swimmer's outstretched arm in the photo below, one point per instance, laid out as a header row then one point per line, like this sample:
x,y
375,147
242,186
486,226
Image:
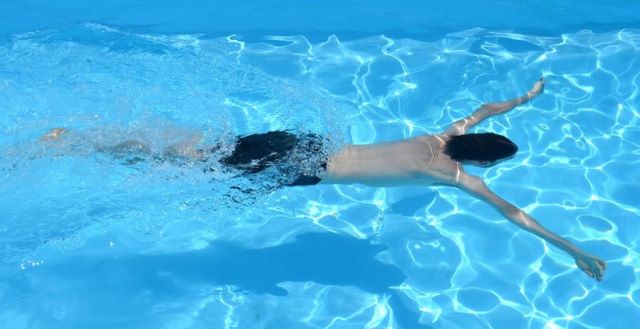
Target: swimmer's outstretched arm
x,y
490,109
591,265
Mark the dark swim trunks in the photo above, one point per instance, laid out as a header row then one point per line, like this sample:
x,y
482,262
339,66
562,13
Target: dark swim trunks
x,y
298,158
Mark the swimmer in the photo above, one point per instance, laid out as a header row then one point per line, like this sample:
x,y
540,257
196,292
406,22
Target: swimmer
x,y
439,159
423,160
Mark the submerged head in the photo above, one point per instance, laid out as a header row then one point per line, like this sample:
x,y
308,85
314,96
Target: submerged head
x,y
484,149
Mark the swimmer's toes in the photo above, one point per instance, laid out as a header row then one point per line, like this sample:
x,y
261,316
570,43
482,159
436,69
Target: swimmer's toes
x,y
54,134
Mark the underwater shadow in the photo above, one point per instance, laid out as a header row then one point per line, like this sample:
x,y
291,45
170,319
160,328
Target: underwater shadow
x,y
324,258
409,206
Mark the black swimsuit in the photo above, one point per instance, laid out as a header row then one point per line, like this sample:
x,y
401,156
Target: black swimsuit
x,y
283,150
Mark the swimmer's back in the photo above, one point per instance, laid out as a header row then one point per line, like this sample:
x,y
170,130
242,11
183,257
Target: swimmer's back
x,y
415,161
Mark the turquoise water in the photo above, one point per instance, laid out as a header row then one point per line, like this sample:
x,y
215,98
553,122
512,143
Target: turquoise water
x,y
87,241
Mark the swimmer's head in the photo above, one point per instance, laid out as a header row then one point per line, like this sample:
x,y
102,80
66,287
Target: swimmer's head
x,y
483,150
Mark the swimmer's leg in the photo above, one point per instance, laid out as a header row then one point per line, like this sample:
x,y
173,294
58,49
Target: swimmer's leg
x,y
186,149
182,150
54,134
128,152
126,148
63,141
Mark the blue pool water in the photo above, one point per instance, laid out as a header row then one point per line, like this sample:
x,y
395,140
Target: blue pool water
x,y
87,241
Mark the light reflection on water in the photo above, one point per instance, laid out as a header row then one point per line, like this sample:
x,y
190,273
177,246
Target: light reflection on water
x,y
433,255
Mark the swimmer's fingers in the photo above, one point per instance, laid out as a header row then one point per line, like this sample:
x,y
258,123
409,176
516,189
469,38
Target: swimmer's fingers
x,y
590,273
602,266
583,266
599,267
594,267
537,89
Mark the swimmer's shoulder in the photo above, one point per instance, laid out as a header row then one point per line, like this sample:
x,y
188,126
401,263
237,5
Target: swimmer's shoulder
x,y
441,167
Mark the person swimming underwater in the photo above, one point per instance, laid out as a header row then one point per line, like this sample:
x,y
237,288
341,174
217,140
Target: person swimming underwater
x,y
423,160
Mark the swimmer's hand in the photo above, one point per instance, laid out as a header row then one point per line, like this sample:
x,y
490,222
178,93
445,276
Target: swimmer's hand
x,y
537,89
591,265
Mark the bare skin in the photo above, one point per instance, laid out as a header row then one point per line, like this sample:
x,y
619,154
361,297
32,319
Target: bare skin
x,y
184,149
422,161
54,134
416,161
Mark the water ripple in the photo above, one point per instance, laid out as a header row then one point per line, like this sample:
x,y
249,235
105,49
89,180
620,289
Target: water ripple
x,y
464,266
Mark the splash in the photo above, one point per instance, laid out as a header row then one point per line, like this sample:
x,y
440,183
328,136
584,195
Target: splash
x,y
576,172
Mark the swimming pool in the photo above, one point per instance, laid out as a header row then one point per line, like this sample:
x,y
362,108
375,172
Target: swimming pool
x,y
87,241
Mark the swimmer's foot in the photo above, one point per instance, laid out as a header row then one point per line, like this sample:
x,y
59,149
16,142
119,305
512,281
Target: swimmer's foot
x,y
537,89
54,134
593,266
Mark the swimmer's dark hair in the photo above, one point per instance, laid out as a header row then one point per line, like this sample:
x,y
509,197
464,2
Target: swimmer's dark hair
x,y
479,147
